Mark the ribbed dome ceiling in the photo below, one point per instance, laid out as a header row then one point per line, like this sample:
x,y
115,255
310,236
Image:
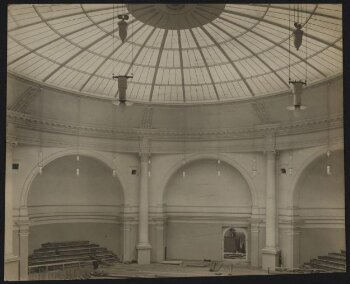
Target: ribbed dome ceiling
x,y
177,53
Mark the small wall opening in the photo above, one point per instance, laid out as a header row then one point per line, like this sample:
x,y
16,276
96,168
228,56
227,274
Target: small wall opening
x,y
234,244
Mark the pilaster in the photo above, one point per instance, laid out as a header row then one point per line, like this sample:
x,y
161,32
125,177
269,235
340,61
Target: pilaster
x,y
271,252
23,249
143,246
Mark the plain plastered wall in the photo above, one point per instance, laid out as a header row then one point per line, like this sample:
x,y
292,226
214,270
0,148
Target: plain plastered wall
x,y
329,189
60,191
203,187
316,242
319,196
59,184
203,193
194,241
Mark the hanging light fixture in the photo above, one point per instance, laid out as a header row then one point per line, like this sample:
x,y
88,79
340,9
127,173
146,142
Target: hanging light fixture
x,y
328,167
297,32
218,169
114,159
77,170
123,26
298,35
149,165
254,160
254,171
123,79
122,86
183,168
290,170
297,90
40,162
114,163
298,84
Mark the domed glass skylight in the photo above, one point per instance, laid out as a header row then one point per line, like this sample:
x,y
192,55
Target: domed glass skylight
x,y
177,53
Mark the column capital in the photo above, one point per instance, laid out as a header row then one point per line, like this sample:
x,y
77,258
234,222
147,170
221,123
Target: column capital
x,y
145,144
23,211
256,221
23,229
271,154
270,142
144,156
125,227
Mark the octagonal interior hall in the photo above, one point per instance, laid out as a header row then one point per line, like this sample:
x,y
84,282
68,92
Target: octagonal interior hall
x,y
151,133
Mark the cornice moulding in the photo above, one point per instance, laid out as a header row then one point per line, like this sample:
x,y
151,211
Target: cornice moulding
x,y
26,121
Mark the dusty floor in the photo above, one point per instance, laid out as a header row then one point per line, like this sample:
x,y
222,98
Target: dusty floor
x,y
186,269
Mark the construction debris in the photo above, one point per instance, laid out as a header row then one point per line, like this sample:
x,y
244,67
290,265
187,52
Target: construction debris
x,y
174,262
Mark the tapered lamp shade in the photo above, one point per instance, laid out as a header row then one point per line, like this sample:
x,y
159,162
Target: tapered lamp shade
x,y
122,86
298,36
297,88
123,29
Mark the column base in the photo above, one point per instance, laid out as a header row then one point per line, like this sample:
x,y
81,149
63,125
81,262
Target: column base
x,y
143,253
270,258
11,268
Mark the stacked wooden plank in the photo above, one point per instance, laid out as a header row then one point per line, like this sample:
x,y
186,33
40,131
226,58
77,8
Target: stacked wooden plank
x,y
333,262
63,256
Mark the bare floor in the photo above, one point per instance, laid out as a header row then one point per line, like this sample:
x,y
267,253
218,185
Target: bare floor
x,y
185,269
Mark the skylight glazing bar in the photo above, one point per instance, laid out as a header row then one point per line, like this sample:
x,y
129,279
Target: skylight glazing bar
x,y
55,18
281,46
109,56
229,60
205,63
248,48
274,24
157,64
181,66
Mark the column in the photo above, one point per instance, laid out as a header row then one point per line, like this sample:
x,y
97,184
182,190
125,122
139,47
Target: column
x,y
11,261
10,144
270,254
254,243
292,236
23,249
143,246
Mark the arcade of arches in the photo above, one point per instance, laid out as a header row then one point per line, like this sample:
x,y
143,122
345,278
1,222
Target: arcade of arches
x,y
197,209
206,164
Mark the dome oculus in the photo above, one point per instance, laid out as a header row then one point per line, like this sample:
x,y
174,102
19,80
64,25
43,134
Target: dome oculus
x,y
176,16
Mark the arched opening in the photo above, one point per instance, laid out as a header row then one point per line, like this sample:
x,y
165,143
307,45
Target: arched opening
x,y
319,199
65,207
235,244
199,204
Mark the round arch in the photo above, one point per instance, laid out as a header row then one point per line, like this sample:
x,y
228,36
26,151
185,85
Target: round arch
x,y
224,158
59,154
303,167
